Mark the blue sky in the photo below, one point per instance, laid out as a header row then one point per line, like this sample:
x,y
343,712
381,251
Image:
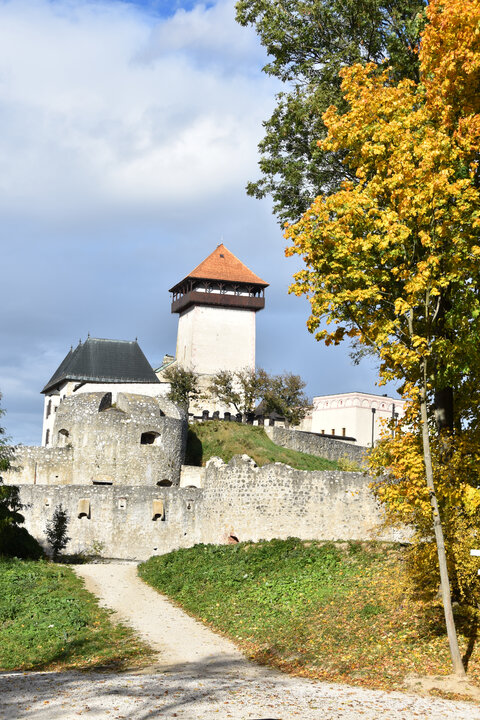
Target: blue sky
x,y
127,134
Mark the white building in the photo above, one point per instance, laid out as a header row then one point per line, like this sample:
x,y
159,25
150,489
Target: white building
x,y
356,416
99,365
217,304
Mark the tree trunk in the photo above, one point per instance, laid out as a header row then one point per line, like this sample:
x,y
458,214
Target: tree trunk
x,y
443,409
458,668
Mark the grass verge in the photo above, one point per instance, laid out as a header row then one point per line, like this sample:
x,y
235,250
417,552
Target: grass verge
x,y
224,440
337,612
48,621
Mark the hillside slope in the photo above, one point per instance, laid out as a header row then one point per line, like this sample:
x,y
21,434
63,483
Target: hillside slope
x,y
341,612
226,439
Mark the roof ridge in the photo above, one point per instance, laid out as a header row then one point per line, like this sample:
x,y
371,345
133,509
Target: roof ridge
x,y
104,360
222,264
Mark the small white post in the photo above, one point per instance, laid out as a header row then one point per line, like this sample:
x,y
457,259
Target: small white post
x,y
475,553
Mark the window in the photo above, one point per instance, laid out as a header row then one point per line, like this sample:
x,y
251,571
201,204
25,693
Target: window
x,y
344,432
149,438
49,408
105,402
158,510
83,509
62,437
47,437
333,431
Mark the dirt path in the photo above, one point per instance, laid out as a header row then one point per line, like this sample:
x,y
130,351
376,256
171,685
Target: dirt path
x,y
199,675
182,642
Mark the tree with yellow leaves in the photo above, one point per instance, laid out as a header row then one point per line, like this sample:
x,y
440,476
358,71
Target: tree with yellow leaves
x,y
393,258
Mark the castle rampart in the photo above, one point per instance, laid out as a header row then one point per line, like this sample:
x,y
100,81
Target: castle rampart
x,y
239,501
315,444
137,440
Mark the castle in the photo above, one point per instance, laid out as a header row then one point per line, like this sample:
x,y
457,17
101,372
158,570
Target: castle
x,y
114,446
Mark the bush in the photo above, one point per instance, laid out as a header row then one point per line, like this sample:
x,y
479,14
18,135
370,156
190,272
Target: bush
x,y
56,531
15,541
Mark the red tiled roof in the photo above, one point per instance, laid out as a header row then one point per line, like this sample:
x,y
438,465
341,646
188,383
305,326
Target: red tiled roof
x,y
223,265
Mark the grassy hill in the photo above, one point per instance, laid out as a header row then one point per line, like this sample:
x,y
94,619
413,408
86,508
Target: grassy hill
x,y
342,612
48,621
226,439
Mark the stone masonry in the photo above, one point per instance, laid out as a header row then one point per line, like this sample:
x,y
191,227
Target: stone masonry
x,y
116,468
239,501
315,444
138,440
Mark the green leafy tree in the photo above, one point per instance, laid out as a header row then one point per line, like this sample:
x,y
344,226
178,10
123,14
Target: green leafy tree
x,y
243,389
393,257
10,505
308,42
6,450
246,388
56,531
184,386
14,540
285,396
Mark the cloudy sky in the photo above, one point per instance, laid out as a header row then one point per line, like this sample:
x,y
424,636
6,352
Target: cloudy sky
x,y
128,131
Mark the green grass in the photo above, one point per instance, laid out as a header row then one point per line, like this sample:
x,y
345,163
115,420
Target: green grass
x,y
226,439
339,612
49,621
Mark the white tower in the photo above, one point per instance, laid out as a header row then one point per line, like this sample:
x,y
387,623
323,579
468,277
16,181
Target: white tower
x,y
217,303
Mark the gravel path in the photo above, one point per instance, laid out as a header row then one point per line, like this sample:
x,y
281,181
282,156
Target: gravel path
x,y
181,641
198,675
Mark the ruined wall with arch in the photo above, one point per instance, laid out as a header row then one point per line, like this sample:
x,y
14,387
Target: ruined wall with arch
x,y
132,440
238,502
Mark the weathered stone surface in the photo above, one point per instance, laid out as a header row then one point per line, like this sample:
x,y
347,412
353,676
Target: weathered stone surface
x,y
314,444
117,470
139,440
239,501
120,523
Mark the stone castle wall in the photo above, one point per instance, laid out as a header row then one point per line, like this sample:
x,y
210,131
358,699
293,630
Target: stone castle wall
x,y
41,466
124,523
276,501
137,440
239,501
314,444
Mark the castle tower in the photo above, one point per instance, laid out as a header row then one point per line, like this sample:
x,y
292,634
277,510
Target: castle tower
x,y
217,303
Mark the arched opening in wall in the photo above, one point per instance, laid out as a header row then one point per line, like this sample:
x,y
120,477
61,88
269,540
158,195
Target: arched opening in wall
x,y
164,483
62,437
158,510
149,438
105,402
83,509
233,540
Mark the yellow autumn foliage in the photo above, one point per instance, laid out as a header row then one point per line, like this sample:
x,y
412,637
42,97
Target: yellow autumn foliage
x,y
392,261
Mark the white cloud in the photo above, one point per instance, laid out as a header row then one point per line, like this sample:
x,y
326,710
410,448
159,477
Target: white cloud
x,y
103,105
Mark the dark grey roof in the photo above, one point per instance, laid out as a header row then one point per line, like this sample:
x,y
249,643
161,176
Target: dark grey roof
x,y
98,360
